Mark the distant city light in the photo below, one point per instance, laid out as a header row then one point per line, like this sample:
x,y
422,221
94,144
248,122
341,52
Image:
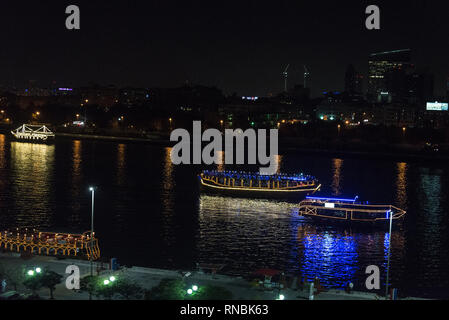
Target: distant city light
x,y
65,89
250,98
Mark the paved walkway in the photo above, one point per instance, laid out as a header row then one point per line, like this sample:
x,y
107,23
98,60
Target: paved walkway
x,y
148,278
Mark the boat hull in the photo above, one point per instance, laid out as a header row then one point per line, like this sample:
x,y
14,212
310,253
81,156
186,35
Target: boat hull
x,y
353,223
49,140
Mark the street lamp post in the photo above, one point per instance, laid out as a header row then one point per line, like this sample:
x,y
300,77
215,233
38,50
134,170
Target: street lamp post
x,y
92,189
389,247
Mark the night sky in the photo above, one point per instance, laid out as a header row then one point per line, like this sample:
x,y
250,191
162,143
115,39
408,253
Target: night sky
x,y
240,46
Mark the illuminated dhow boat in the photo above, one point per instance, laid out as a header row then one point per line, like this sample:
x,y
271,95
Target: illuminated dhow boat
x,y
33,133
256,185
348,210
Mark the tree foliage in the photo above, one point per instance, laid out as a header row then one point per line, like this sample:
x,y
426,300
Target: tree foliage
x,y
128,289
49,280
210,292
123,287
176,289
14,276
44,279
167,289
33,283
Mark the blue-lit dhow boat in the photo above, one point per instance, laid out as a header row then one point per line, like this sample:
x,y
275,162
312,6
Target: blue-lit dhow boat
x,y
255,185
348,211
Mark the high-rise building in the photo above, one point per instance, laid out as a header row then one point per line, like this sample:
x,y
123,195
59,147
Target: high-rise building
x,y
353,81
387,74
447,89
307,80
420,86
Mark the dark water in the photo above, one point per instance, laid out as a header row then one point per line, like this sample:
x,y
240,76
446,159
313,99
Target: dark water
x,y
150,213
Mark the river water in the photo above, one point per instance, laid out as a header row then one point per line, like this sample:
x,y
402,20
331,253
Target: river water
x,y
149,212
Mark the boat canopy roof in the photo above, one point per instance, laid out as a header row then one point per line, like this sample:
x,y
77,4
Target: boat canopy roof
x,y
257,176
332,199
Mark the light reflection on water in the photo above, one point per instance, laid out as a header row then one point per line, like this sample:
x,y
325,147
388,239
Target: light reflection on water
x,y
3,180
76,181
401,185
158,212
337,165
32,168
329,256
2,151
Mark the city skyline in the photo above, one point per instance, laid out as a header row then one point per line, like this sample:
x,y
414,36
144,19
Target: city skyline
x,y
241,49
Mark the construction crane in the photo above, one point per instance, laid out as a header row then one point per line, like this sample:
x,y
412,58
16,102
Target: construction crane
x,y
285,73
306,76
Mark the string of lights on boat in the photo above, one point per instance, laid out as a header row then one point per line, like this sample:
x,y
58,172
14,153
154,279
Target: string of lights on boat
x,y
252,175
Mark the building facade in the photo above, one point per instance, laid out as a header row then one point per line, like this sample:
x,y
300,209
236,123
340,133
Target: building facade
x,y
387,74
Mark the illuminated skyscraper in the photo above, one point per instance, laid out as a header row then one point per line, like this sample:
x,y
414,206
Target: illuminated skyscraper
x,y
386,73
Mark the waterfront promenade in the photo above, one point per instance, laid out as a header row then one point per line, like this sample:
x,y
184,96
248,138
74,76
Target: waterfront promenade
x,y
149,277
